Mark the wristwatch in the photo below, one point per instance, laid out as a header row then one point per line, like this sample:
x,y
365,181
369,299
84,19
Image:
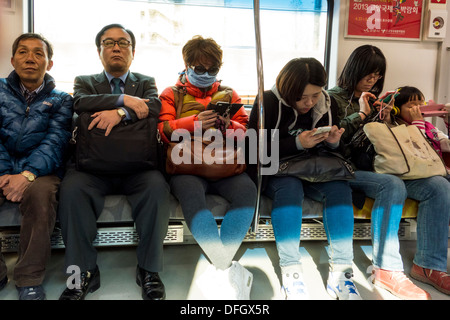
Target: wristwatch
x,y
121,113
30,176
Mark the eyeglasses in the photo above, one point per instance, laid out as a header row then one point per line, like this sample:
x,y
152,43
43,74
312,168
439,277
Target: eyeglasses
x,y
201,70
376,77
109,43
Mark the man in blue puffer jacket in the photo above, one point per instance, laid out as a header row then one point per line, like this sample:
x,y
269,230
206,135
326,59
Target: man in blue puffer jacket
x,y
35,123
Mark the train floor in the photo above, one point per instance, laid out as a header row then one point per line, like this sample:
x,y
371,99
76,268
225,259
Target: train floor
x,y
184,264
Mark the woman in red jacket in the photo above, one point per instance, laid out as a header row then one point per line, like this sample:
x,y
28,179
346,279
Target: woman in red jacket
x,y
184,107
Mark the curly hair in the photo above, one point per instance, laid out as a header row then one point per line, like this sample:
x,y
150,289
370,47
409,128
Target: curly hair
x,y
199,48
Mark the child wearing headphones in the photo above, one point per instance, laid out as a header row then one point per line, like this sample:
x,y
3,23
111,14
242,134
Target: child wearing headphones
x,y
430,262
407,111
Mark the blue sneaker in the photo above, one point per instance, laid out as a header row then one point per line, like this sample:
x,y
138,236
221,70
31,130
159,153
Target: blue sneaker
x,y
31,293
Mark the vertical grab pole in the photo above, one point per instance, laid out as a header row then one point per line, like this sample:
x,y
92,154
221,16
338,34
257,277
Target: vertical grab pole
x,y
259,69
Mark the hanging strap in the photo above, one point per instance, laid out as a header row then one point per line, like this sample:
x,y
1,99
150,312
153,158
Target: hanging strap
x,y
178,97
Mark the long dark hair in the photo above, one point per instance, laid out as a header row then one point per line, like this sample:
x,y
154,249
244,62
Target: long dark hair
x,y
364,60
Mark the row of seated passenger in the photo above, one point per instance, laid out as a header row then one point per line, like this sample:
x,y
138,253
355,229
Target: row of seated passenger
x,y
117,213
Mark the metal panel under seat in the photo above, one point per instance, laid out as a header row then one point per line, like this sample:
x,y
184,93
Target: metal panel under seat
x,y
116,227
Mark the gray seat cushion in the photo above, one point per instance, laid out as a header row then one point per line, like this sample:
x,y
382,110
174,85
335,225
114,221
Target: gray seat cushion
x,y
117,210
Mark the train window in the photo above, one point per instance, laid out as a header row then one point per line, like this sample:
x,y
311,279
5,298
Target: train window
x,y
289,28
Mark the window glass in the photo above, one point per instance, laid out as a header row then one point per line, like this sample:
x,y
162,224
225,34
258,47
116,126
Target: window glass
x,y
289,28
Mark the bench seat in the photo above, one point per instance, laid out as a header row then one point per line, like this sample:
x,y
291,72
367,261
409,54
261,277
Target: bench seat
x,y
115,225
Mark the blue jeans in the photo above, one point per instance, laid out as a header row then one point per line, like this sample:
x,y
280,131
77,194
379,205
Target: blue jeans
x,y
389,193
432,220
288,193
239,191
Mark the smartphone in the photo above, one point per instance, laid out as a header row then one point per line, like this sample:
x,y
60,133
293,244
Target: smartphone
x,y
388,98
433,109
225,108
322,130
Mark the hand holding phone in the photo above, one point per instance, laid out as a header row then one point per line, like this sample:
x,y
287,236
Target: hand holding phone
x,y
225,109
322,130
387,96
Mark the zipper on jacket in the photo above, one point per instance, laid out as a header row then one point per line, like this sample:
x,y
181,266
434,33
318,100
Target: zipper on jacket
x,y
19,138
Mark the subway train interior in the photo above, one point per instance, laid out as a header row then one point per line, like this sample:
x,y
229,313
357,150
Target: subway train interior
x,y
257,38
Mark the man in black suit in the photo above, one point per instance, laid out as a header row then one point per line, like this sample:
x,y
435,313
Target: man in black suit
x,y
82,194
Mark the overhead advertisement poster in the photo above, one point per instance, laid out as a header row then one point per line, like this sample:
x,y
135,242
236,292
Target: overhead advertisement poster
x,y
391,19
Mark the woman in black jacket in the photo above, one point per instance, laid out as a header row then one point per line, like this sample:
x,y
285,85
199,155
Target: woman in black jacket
x,y
297,105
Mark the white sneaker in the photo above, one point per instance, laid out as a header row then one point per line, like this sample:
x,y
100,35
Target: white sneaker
x,y
214,285
340,286
241,280
293,284
233,283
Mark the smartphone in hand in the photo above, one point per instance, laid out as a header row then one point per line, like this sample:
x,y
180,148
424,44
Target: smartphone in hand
x,y
224,108
322,130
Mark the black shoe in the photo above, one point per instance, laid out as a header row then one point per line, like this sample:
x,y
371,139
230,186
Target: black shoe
x,y
31,293
151,284
3,282
90,282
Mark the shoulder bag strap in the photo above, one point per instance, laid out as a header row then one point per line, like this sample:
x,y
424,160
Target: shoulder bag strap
x,y
178,95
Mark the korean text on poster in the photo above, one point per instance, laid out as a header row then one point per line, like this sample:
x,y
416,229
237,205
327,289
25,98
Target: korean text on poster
x,y
385,18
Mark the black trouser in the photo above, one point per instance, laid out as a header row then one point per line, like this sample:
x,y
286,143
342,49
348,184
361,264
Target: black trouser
x,y
82,198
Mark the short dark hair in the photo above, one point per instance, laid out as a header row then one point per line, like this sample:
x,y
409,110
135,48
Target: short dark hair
x,y
296,75
364,60
407,94
114,25
31,35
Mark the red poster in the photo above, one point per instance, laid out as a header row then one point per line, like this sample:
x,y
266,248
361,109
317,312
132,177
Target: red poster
x,y
385,18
